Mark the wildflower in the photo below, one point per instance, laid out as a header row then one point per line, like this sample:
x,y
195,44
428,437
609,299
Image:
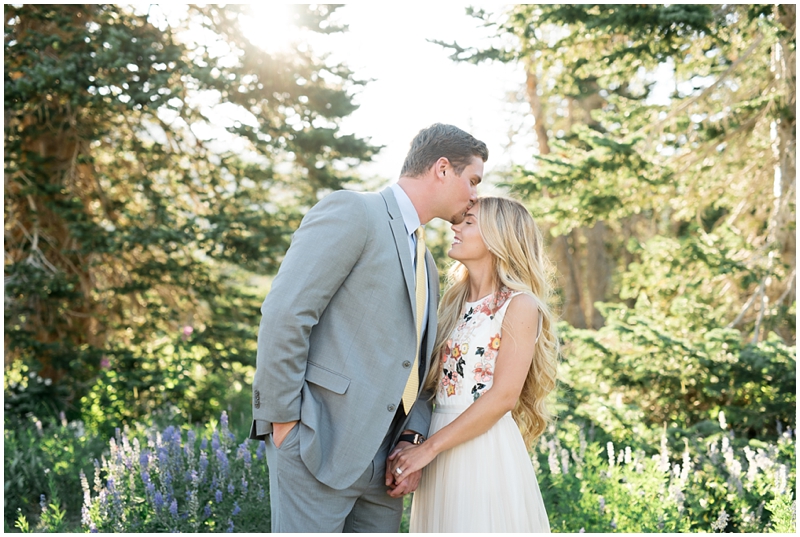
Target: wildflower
x,y
236,509
244,485
158,500
218,496
229,529
92,528
261,492
663,465
722,521
614,524
722,423
223,420
173,508
565,461
260,451
43,502
187,332
244,454
610,449
105,363
582,530
628,455
215,445
203,461
231,488
38,427
780,480
207,510
602,502
552,459
63,418
85,517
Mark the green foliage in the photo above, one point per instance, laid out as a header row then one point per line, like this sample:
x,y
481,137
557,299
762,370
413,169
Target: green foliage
x,y
133,215
602,487
46,459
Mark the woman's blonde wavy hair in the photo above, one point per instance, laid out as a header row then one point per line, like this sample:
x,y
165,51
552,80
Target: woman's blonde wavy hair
x,y
515,242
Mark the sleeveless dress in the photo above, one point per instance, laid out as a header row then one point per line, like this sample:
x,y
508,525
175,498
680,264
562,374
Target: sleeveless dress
x,y
486,484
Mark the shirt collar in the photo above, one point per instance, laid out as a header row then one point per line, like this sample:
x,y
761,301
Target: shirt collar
x,y
407,210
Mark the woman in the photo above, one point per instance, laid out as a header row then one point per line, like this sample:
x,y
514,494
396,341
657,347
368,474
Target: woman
x,y
490,398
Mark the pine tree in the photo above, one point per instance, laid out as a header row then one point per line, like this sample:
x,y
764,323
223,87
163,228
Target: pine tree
x,y
132,220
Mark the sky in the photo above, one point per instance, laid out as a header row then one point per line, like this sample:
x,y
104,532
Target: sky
x,y
414,82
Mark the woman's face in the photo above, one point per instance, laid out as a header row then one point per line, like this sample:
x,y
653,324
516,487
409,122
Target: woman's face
x,y
468,245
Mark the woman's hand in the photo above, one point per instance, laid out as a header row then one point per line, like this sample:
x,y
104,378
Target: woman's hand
x,y
410,459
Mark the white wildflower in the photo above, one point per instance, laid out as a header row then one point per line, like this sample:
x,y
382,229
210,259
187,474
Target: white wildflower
x,y
610,449
628,455
780,480
722,521
564,461
663,465
722,423
552,459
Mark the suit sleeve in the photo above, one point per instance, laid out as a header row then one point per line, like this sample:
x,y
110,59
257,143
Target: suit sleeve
x,y
323,251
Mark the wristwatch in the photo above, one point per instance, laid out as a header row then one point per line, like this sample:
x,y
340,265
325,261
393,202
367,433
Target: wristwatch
x,y
415,438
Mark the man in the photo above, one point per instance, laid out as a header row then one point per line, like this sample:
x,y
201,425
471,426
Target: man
x,y
345,340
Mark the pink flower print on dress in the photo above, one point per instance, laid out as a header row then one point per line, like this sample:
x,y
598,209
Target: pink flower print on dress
x,y
483,372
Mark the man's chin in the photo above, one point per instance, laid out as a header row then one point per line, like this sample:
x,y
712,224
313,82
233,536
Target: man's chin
x,y
458,218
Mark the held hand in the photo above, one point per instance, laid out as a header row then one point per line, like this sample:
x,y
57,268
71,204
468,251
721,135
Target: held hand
x,y
411,481
409,460
280,430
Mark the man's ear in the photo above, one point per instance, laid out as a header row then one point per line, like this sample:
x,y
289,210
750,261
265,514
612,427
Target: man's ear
x,y
441,167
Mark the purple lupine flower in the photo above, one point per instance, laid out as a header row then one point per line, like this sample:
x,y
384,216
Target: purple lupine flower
x,y
92,528
236,509
223,420
203,461
244,485
204,443
262,447
43,502
231,488
163,456
150,488
173,508
158,500
223,461
229,529
194,477
145,477
144,459
215,440
207,510
218,496
260,492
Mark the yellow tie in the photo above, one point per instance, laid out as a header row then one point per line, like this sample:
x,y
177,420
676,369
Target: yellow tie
x,y
412,386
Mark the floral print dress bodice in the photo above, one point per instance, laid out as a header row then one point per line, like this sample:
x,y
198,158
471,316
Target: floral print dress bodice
x,y
469,355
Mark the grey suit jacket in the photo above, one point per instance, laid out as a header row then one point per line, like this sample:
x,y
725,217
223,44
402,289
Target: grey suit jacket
x,y
337,337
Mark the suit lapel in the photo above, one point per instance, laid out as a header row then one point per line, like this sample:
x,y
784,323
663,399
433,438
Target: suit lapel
x,y
401,243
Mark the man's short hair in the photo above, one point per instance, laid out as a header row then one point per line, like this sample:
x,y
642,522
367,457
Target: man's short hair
x,y
440,140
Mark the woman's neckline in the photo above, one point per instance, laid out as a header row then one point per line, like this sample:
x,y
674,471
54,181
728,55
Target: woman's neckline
x,y
480,299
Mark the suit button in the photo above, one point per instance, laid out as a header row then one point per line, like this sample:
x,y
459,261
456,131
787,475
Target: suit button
x,y
406,364
391,408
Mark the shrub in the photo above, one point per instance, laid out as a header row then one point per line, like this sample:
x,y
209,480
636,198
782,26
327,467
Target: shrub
x,y
153,481
41,458
595,487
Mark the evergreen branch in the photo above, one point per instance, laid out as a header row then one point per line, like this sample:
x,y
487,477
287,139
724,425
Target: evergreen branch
x,y
656,127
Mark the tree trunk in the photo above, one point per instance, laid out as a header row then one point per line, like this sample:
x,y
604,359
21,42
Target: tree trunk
x,y
566,268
